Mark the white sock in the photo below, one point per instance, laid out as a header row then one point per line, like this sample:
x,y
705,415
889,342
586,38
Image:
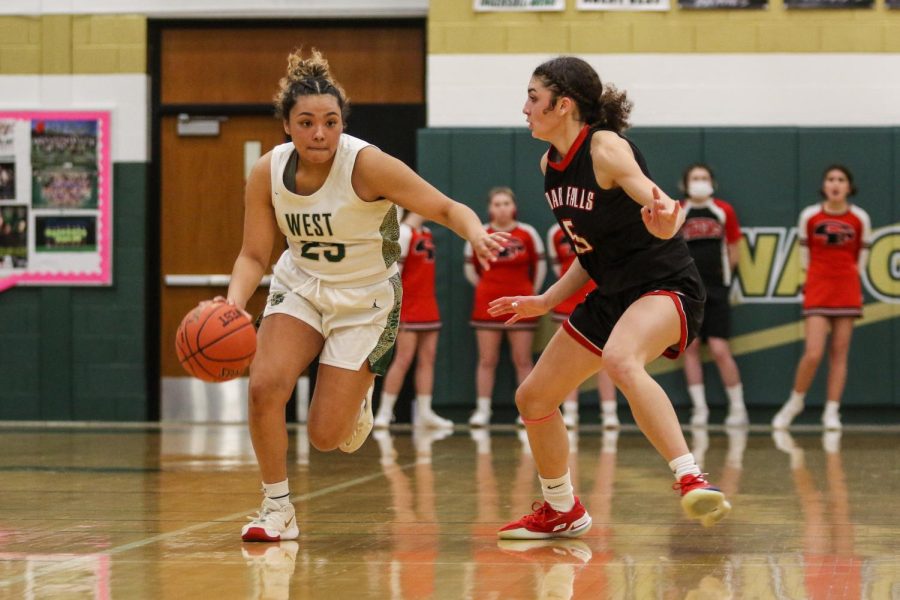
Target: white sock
x,y
798,459
697,393
423,403
684,465
278,492
608,407
387,403
796,399
831,407
737,442
610,441
483,404
700,439
559,493
735,396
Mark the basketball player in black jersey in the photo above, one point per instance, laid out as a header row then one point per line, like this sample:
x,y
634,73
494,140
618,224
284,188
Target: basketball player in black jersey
x,y
649,297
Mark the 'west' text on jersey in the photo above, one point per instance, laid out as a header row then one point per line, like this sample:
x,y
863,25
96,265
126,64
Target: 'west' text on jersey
x,y
309,224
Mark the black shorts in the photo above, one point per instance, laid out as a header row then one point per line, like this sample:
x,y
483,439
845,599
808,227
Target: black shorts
x,y
717,314
593,320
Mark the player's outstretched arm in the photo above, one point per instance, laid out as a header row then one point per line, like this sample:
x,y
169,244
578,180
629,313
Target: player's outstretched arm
x,y
524,307
260,229
378,175
614,163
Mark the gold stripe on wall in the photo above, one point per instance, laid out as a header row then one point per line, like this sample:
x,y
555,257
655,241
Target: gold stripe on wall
x,y
454,28
780,335
65,44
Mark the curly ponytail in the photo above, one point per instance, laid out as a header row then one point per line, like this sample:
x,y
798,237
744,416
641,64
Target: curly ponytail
x,y
598,105
308,77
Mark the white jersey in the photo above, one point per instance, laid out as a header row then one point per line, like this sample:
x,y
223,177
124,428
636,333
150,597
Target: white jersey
x,y
333,235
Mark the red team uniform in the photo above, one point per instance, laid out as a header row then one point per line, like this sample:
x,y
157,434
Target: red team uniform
x,y
419,310
562,255
708,229
513,274
834,243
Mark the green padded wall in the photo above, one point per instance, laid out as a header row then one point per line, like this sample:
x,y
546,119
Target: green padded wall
x,y
79,353
768,174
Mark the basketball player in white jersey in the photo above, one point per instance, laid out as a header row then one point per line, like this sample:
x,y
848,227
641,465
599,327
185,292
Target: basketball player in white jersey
x,y
336,290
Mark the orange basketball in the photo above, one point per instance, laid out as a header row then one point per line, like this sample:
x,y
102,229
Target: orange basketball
x,y
215,342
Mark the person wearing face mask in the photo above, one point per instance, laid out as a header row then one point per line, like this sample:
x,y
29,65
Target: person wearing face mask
x,y
835,236
520,269
712,233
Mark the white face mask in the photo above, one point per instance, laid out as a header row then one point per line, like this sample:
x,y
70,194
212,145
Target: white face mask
x,y
699,189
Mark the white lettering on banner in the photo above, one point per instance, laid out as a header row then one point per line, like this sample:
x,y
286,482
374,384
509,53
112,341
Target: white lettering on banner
x,y
518,5
882,276
660,5
769,268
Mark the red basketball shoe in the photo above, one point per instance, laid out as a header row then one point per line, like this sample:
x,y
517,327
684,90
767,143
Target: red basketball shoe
x,y
545,523
701,500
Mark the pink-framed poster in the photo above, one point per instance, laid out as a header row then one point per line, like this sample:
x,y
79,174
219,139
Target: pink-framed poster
x,y
55,198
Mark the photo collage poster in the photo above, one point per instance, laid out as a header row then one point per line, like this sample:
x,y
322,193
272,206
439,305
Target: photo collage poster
x,y
55,198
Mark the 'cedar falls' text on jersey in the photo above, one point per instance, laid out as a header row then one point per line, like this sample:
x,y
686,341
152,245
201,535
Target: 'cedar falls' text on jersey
x,y
605,226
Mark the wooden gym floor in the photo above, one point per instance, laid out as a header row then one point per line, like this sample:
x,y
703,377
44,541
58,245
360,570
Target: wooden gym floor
x,y
155,512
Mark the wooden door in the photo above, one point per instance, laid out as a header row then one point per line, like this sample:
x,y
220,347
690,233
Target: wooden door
x,y
202,189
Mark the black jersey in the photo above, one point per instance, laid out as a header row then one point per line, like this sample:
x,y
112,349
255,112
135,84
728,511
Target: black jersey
x,y
605,226
709,228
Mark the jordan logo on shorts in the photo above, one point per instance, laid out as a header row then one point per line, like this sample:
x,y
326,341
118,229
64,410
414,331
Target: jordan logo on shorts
x,y
276,298
375,304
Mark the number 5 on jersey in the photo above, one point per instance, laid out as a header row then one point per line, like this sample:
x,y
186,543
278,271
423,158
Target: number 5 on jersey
x,y
581,245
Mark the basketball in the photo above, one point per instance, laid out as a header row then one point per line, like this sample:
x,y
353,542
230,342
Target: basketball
x,y
215,342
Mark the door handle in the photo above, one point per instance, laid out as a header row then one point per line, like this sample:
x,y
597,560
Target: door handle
x,y
210,280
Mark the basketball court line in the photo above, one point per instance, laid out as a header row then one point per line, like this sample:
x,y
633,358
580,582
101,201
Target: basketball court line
x,y
205,524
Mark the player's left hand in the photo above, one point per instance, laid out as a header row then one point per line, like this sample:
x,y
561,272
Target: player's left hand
x,y
521,307
660,218
488,246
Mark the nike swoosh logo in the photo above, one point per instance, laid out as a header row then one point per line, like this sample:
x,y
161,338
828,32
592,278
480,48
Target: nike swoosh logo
x,y
553,487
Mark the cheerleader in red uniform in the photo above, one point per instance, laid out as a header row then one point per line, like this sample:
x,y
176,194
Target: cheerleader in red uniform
x,y
712,233
520,269
562,255
420,323
834,239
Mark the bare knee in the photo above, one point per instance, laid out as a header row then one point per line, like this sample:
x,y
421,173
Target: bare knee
x,y
488,361
427,355
813,355
621,368
267,394
523,362
693,350
838,357
402,361
530,402
719,350
322,436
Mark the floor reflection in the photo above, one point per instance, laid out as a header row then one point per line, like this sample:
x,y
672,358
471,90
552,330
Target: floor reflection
x,y
414,515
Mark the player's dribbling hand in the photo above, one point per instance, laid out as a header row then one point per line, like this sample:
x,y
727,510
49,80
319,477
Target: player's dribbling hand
x,y
521,307
227,301
660,220
488,246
